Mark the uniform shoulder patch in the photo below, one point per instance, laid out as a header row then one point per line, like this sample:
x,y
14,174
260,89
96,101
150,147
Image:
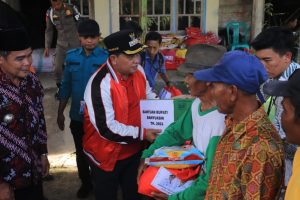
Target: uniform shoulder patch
x,y
100,50
73,51
48,12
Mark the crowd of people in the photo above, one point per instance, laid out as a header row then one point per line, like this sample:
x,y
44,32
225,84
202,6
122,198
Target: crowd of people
x,y
248,154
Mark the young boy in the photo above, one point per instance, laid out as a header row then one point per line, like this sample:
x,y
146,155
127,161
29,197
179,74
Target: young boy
x,y
152,60
275,47
290,120
80,64
202,124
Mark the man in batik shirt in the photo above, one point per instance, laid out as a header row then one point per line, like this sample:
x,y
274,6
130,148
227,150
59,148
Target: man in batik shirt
x,y
249,159
23,139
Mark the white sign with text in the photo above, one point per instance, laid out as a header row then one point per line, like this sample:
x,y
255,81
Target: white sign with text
x,y
157,114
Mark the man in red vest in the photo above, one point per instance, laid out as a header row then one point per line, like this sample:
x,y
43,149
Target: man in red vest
x,y
112,122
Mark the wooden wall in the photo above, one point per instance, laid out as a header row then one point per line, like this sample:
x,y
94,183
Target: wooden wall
x,y
235,10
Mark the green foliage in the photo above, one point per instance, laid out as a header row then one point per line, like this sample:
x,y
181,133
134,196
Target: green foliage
x,y
269,12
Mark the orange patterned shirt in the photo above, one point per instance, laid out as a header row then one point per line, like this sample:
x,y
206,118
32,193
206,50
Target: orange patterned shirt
x,y
249,161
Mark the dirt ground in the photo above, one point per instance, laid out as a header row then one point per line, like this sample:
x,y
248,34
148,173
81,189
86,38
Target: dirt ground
x,y
64,185
61,150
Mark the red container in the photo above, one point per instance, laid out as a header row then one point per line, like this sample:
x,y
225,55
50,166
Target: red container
x,y
192,31
179,61
208,38
169,55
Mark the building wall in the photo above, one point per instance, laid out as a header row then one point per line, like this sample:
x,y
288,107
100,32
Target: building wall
x,y
217,14
235,10
107,15
211,13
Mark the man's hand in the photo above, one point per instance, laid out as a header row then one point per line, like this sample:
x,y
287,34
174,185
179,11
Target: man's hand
x,y
46,52
45,165
159,196
169,84
142,167
61,121
151,134
6,192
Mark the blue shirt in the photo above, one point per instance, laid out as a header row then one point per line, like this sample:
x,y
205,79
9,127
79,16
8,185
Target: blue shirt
x,y
78,70
151,69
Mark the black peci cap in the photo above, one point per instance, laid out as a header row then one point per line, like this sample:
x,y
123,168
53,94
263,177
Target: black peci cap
x,y
88,27
13,35
14,40
124,41
290,88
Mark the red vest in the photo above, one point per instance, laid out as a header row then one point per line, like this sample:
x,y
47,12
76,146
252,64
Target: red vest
x,y
105,153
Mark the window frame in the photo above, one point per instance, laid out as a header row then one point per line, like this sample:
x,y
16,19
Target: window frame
x,y
132,14
174,15
189,15
160,16
80,7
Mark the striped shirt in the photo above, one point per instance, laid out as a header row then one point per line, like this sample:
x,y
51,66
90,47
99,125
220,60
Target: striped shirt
x,y
284,77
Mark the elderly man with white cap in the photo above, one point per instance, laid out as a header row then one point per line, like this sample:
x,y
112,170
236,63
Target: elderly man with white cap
x,y
201,123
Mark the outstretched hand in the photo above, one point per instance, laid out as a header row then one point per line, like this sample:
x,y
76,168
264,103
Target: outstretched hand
x,y
46,52
45,165
6,192
159,196
61,121
142,167
151,134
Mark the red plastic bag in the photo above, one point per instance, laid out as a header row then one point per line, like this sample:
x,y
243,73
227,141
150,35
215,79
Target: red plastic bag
x,y
147,177
197,37
169,92
173,90
193,31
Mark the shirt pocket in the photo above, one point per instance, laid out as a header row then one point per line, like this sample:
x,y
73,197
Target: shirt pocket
x,y
76,73
69,19
56,19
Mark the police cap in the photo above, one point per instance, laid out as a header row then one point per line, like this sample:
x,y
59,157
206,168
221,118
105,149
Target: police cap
x,y
123,41
88,27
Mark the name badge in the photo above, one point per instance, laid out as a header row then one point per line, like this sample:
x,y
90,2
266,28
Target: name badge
x,y
81,109
8,118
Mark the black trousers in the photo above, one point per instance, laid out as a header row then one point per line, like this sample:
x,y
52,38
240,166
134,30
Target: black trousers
x,y
124,175
81,159
34,192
